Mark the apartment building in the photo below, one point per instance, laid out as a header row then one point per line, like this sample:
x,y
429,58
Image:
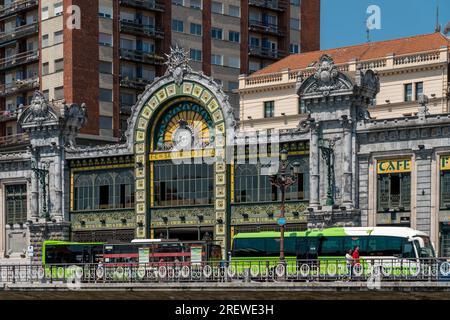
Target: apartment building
x,y
407,68
19,64
104,52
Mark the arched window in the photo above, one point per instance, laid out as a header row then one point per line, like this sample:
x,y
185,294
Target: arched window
x,y
124,193
83,193
104,191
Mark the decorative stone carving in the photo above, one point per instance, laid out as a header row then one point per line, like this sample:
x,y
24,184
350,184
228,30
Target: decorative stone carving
x,y
38,112
73,117
423,109
326,79
177,64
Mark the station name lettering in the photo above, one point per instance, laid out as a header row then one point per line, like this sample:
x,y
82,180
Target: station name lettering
x,y
394,166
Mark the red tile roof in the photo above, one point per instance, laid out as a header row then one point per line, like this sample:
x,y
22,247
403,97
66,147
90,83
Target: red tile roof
x,y
362,52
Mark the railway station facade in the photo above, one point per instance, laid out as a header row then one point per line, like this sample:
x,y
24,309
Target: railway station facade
x,y
186,171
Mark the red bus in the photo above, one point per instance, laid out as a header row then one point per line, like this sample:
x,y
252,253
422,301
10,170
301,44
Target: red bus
x,y
160,252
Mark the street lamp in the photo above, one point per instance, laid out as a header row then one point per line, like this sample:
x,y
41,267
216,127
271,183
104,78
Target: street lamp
x,y
282,180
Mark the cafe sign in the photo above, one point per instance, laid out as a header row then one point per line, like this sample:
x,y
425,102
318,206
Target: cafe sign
x,y
445,163
394,166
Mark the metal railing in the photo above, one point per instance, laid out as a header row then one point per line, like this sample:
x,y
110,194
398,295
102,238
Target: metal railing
x,y
215,271
144,4
141,56
14,139
269,4
256,25
19,86
7,115
19,32
266,52
18,59
16,7
137,28
134,83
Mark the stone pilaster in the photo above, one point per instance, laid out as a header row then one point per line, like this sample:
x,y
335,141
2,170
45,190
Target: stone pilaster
x,y
57,186
314,164
423,191
34,203
347,200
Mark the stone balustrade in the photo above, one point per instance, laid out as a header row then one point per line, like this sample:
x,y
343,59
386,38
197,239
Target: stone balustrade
x,y
387,63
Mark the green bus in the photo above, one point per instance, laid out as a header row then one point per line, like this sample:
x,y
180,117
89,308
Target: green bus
x,y
389,247
66,252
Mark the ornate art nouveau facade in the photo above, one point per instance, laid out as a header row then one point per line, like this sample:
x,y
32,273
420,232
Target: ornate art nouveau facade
x,y
185,171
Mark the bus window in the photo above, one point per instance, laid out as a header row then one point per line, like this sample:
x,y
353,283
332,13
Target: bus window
x,y
385,246
427,251
272,246
307,248
253,247
331,246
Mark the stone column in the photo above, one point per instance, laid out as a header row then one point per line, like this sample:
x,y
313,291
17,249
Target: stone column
x,y
2,222
314,157
34,203
347,165
57,187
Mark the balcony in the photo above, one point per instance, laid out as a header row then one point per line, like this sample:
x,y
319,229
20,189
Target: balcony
x,y
134,83
268,4
19,32
139,29
21,138
143,4
141,56
19,59
16,7
266,28
266,53
19,86
8,115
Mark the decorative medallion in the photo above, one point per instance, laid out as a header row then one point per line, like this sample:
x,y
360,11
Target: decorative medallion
x,y
177,64
326,75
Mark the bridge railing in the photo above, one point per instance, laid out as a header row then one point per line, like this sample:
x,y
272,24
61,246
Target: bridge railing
x,y
436,269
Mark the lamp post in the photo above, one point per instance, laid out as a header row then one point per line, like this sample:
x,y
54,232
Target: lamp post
x,y
41,175
282,180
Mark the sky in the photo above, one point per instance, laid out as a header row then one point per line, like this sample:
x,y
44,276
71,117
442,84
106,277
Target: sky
x,y
343,22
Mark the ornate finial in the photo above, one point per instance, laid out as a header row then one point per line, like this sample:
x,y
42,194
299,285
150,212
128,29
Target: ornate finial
x,y
177,63
326,74
39,105
326,71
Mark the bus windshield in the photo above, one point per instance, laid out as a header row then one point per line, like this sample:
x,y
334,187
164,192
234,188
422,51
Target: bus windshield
x,y
427,251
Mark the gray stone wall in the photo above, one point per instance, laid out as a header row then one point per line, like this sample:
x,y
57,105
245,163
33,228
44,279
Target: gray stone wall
x,y
47,231
423,191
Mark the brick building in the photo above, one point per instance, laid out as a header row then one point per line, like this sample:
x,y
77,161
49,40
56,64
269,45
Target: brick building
x,y
104,52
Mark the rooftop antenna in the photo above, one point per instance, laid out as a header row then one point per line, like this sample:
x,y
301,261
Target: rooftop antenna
x,y
367,31
438,26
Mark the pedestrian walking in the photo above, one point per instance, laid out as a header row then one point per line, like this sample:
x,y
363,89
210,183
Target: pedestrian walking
x,y
349,262
355,256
